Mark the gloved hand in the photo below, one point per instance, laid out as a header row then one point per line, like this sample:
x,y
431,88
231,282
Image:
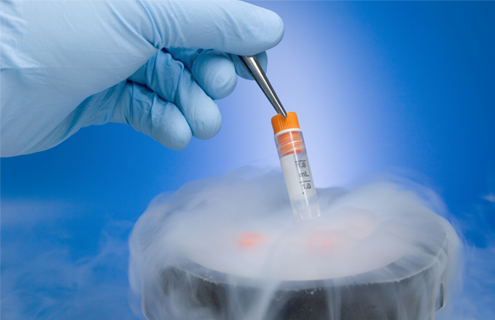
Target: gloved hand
x,y
155,65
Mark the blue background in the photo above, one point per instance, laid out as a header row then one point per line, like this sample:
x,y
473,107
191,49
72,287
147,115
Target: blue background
x,y
401,87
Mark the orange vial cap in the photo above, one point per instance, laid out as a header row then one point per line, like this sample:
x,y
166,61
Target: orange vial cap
x,y
280,123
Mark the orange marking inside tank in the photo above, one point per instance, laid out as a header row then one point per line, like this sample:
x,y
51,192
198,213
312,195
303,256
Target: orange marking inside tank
x,y
320,240
247,240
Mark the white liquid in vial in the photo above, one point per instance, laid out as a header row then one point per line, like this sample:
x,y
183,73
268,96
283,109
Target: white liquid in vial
x,y
299,181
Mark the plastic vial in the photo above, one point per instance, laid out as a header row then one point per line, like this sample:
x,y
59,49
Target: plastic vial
x,y
295,166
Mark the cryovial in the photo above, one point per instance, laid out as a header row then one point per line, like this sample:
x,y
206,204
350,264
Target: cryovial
x,y
295,166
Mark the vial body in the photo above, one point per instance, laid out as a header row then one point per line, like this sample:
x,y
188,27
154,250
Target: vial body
x,y
297,174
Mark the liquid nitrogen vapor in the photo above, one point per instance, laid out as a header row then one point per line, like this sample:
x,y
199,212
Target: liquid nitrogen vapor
x,y
229,248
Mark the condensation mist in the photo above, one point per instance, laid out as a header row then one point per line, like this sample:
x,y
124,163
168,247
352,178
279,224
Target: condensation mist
x,y
228,248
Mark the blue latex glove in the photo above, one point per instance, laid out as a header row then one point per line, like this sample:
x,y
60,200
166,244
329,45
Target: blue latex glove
x,y
155,65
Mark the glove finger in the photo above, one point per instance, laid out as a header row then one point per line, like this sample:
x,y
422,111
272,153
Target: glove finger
x,y
146,112
215,73
189,56
185,55
227,26
173,82
241,69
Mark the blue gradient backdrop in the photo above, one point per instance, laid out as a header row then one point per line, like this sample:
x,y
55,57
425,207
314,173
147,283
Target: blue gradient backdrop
x,y
402,87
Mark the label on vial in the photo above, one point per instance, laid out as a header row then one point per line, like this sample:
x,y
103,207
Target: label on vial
x,y
295,174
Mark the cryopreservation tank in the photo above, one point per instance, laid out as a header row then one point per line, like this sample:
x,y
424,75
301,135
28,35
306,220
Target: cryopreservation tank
x,y
228,248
